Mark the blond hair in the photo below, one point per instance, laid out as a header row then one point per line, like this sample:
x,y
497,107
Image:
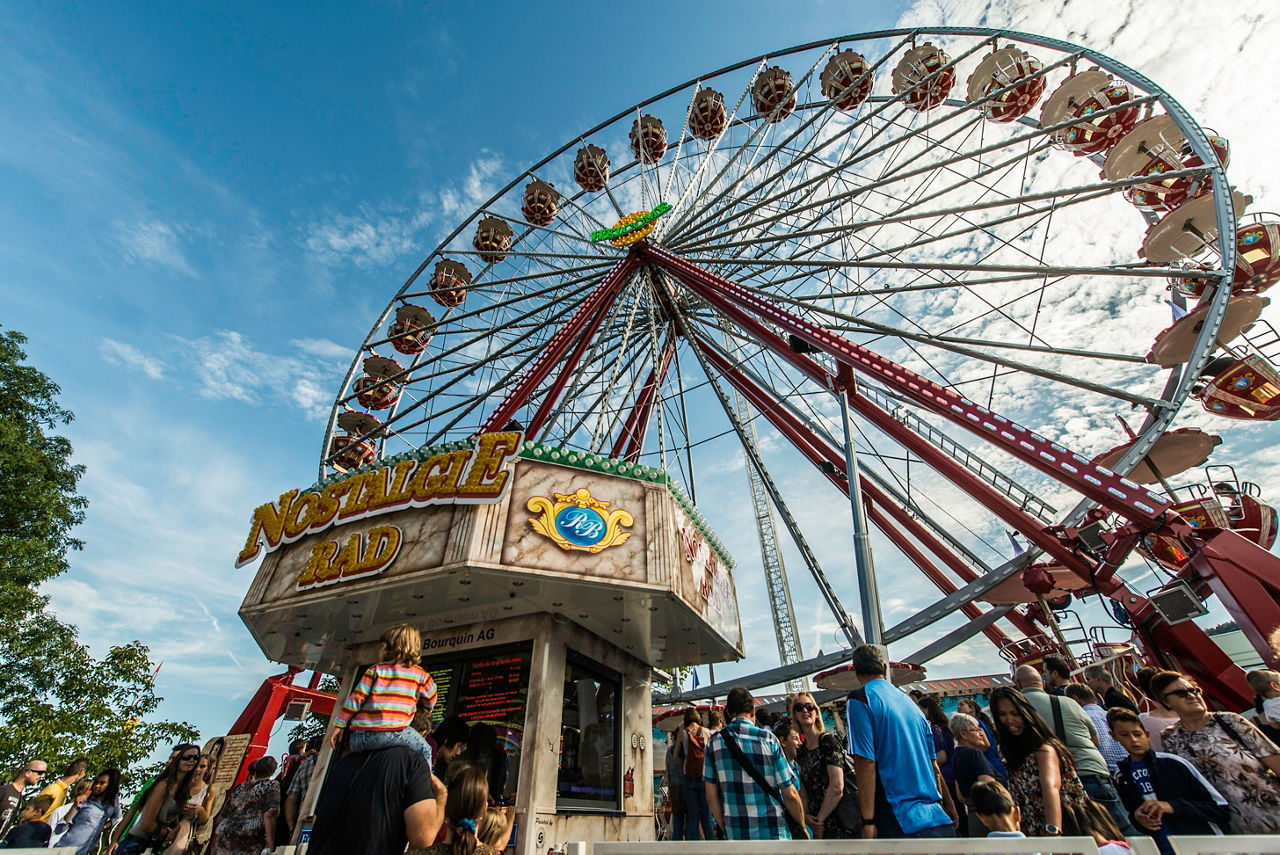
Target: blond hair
x,y
491,826
404,644
817,717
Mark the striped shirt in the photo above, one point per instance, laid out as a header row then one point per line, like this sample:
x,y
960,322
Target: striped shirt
x,y
386,697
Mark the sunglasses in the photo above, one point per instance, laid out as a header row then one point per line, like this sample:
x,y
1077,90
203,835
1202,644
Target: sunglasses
x,y
38,771
805,708
189,758
1185,693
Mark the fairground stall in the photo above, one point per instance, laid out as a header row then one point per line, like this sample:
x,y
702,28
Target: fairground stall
x,y
548,586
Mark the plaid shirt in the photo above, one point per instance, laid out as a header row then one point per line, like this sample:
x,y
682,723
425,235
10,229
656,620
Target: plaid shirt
x,y
749,813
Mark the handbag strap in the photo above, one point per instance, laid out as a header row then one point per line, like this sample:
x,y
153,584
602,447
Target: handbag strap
x,y
750,768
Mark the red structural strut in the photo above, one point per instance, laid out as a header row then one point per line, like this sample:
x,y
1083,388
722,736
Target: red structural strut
x,y
820,453
744,307
591,312
627,446
259,716
1179,642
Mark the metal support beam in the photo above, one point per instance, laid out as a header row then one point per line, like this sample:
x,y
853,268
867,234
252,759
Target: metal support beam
x,y
591,310
958,635
756,315
955,601
771,677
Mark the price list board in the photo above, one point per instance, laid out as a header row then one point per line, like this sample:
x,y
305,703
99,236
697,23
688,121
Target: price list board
x,y
495,688
444,691
490,685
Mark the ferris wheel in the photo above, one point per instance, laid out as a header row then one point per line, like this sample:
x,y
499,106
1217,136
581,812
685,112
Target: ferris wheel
x,y
948,251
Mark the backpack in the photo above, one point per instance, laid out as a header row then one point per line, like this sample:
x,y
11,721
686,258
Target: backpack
x,y
695,751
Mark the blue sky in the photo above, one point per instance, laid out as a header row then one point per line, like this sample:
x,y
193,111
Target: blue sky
x,y
206,206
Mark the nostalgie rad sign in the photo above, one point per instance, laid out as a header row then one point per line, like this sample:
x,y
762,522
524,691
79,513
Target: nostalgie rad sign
x,y
473,476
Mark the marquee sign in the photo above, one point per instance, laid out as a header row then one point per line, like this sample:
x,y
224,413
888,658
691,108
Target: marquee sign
x,y
632,228
475,476
576,521
364,554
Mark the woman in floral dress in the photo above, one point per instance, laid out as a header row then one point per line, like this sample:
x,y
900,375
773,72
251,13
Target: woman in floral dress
x,y
248,822
821,762
1041,776
1228,750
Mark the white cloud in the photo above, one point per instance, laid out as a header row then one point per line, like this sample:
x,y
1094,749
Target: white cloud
x,y
368,238
475,187
154,242
128,356
228,366
322,348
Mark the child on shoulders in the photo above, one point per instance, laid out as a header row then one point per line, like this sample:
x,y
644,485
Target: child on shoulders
x,y
380,709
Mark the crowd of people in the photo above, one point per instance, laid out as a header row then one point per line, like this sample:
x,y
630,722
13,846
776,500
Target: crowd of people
x,y
1051,756
386,790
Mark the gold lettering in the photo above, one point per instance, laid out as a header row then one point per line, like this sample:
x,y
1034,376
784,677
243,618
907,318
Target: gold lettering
x,y
422,486
398,494
447,487
296,521
327,506
267,525
318,563
357,499
348,557
381,547
492,450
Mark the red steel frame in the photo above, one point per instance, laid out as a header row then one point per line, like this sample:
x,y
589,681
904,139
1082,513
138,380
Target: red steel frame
x,y
266,705
631,437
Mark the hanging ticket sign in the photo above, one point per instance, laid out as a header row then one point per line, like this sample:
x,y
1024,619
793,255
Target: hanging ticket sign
x,y
474,476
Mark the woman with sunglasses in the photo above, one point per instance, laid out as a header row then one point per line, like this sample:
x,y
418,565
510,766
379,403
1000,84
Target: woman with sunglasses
x,y
1227,749
161,809
1042,779
823,773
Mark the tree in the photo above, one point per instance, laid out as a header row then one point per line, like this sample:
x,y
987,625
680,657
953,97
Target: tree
x,y
57,701
315,724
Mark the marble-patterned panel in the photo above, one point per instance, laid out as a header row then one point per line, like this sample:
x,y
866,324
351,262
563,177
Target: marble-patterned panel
x,y
523,546
425,532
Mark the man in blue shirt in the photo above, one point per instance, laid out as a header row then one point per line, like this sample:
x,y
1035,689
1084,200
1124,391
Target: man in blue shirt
x,y
900,789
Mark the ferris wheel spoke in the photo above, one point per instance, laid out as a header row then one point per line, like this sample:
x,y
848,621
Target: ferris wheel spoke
x,y
516,345
862,324
1039,133
695,227
575,387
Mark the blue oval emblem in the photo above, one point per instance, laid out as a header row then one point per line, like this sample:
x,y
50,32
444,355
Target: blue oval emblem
x,y
580,526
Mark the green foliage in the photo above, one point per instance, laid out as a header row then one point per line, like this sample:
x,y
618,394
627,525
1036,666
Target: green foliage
x,y
57,702
315,724
38,501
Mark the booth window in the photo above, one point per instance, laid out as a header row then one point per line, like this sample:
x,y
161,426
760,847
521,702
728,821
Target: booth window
x,y
490,688
590,737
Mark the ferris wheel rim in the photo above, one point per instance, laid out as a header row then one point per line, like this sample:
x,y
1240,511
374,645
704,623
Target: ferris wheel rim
x,y
1177,387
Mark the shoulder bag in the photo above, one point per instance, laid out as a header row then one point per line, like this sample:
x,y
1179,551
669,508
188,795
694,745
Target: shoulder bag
x,y
848,810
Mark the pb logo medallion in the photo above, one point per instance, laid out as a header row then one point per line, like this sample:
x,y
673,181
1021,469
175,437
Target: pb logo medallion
x,y
578,521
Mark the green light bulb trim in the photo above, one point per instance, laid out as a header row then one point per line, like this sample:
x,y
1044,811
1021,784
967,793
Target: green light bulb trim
x,y
619,231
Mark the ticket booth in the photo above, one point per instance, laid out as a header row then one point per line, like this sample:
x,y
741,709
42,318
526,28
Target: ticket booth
x,y
548,586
